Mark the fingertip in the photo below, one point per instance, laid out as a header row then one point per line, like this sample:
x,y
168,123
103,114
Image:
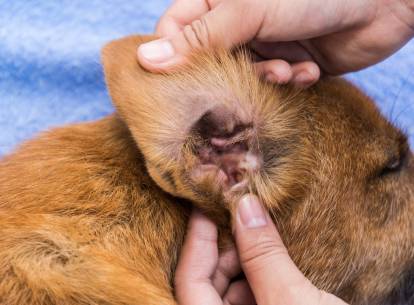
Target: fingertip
x,y
304,79
278,78
275,71
305,74
250,213
158,55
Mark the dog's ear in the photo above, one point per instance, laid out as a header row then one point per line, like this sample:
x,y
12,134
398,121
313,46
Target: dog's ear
x,y
157,108
211,130
194,126
198,128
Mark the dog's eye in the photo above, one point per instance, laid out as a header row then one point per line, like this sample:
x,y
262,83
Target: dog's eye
x,y
394,165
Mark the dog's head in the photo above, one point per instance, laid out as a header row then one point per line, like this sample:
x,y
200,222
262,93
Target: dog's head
x,y
337,177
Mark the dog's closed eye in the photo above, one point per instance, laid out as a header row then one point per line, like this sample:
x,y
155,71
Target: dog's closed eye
x,y
396,162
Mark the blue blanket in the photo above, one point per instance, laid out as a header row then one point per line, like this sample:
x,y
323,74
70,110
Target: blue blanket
x,y
50,71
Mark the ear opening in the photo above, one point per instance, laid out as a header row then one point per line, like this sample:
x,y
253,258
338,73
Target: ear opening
x,y
226,149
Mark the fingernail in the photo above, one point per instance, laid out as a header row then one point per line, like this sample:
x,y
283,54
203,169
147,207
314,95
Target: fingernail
x,y
251,213
157,51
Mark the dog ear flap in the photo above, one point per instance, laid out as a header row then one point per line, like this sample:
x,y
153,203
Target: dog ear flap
x,y
126,80
138,94
157,108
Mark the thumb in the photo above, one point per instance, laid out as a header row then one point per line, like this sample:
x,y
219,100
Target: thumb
x,y
220,27
272,275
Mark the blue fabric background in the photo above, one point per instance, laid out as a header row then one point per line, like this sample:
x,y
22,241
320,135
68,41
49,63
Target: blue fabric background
x,y
50,71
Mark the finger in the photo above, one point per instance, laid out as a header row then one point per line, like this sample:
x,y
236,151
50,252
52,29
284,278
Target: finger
x,y
293,64
272,275
275,71
263,256
289,51
228,267
197,264
304,19
239,293
199,254
222,26
179,14
219,27
305,73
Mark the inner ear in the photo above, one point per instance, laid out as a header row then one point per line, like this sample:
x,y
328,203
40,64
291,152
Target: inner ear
x,y
226,149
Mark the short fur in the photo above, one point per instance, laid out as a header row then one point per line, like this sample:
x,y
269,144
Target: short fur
x,y
96,213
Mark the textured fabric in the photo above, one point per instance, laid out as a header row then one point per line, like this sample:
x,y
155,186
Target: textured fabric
x,y
50,71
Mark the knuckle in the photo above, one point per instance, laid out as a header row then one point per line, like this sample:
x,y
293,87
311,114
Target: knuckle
x,y
201,235
197,34
203,238
262,252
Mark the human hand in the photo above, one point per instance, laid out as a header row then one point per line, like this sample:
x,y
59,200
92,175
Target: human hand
x,y
294,40
204,276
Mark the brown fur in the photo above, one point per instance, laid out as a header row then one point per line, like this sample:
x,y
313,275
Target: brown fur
x,y
92,213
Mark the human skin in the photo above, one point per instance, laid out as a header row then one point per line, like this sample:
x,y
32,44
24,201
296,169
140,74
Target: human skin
x,y
339,36
204,276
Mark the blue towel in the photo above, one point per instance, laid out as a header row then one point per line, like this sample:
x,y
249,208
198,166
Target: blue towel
x,y
50,71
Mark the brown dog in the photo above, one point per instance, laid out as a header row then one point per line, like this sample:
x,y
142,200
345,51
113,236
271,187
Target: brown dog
x,y
92,213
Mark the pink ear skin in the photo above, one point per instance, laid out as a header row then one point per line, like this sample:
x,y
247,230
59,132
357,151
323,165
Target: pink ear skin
x,y
227,151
